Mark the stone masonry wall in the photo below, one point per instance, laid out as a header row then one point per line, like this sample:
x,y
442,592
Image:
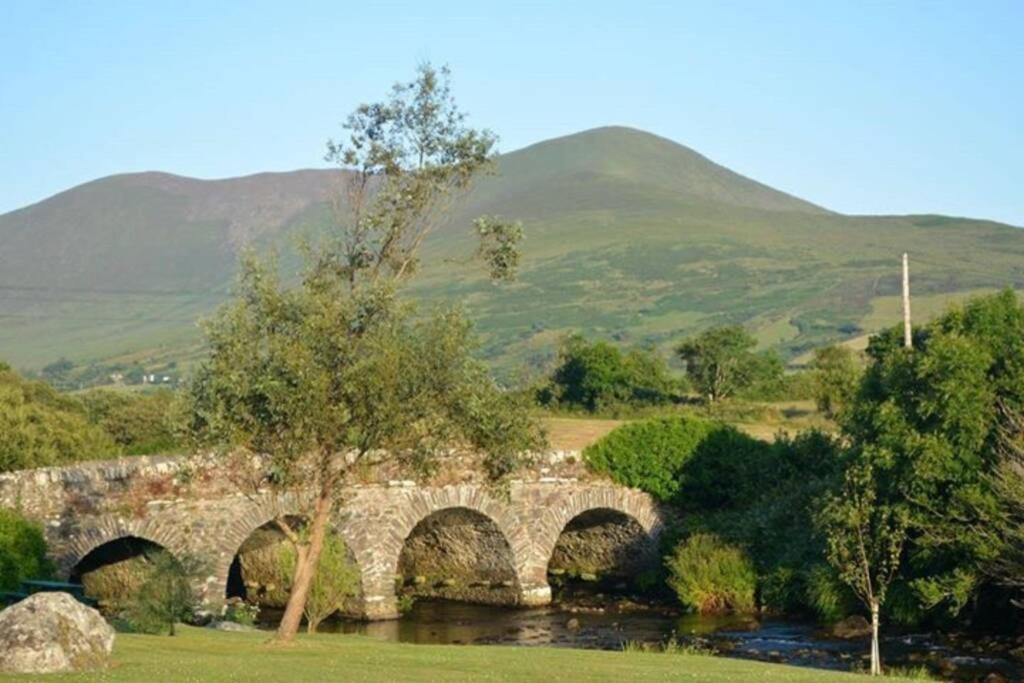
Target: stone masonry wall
x,y
184,505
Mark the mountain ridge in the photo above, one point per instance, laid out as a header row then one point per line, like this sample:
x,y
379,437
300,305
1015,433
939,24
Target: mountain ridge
x,y
630,236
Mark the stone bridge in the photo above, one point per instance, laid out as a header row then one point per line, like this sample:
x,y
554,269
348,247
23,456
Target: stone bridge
x,y
187,508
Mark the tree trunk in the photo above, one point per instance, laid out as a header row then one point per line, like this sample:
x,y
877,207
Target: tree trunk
x,y
306,560
876,657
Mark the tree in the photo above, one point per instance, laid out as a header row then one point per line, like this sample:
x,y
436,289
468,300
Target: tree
x,y
499,245
836,376
865,536
935,416
1002,525
722,361
168,595
598,375
307,385
990,522
337,579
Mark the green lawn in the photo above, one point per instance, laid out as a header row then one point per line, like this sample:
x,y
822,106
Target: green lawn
x,y
204,655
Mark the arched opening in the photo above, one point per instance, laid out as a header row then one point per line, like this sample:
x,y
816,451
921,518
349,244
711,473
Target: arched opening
x,y
458,554
260,572
600,550
113,572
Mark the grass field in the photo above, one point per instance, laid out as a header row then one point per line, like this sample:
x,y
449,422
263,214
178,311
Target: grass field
x,y
203,655
760,420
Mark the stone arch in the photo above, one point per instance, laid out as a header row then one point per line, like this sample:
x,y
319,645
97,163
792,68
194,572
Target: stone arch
x,y
259,514
633,504
419,505
99,531
256,514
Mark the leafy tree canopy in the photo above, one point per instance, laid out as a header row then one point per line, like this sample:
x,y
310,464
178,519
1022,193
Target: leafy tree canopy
x,y
598,375
721,362
929,421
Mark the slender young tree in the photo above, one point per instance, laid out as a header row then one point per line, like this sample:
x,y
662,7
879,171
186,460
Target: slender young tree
x,y
168,594
865,536
307,385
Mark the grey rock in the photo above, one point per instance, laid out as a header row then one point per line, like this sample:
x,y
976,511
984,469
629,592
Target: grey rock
x,y
851,627
53,632
231,626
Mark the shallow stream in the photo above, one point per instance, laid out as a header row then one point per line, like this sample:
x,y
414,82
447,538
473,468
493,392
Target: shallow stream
x,y
790,642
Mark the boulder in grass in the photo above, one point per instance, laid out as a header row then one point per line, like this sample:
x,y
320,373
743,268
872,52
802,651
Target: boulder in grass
x,y
53,632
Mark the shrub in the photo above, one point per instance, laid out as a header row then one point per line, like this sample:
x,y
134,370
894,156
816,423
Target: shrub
x,y
22,551
649,455
405,603
41,427
167,596
139,423
336,580
826,594
709,575
239,611
782,590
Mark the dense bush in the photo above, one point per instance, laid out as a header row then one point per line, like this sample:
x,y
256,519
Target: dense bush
x,y
697,463
42,427
826,595
752,494
595,376
766,508
649,455
139,423
22,551
709,575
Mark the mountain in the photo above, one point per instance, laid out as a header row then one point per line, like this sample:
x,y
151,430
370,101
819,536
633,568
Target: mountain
x,y
629,236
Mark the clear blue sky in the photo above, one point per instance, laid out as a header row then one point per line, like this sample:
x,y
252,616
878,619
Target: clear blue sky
x,y
864,107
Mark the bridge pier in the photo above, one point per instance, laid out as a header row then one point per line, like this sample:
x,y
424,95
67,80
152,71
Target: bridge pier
x,y
535,595
379,608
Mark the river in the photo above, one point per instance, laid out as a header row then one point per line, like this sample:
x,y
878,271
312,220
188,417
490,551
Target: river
x,y
790,642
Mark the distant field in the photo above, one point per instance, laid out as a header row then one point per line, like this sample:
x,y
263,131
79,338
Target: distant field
x,y
204,655
574,434
760,420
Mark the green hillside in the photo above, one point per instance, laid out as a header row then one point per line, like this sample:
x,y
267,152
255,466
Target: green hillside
x,y
629,236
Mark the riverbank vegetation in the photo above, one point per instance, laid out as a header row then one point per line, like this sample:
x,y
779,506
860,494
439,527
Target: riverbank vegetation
x,y
911,505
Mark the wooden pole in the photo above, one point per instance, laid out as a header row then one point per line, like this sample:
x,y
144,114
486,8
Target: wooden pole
x,y
908,340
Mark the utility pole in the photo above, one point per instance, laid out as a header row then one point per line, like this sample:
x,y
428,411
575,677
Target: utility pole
x,y
908,340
